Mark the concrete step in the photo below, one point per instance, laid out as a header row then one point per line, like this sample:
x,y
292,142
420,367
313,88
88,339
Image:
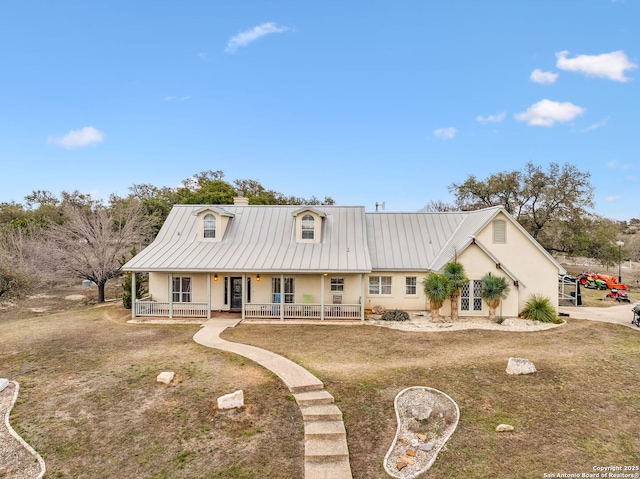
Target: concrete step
x,y
309,398
321,412
324,430
328,470
301,388
325,450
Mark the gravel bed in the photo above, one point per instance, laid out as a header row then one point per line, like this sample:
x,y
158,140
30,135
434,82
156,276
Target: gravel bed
x,y
16,462
419,438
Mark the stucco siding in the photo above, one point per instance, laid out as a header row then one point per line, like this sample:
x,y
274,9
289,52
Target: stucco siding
x,y
533,269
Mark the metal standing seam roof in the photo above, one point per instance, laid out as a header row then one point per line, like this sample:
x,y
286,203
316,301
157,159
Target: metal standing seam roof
x,y
262,239
258,238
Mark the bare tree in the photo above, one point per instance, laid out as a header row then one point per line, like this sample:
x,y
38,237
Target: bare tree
x,y
92,240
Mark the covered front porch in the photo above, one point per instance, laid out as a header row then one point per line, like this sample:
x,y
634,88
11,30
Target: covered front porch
x,y
253,295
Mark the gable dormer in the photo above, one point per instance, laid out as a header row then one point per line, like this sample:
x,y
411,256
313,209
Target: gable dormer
x,y
308,225
211,223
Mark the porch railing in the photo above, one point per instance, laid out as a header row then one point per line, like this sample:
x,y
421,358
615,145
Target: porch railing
x,y
180,310
302,311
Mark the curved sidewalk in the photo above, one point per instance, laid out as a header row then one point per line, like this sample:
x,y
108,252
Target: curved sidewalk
x,y
326,453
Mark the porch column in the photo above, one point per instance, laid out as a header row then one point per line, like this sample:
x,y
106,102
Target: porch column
x,y
282,297
322,296
244,292
362,296
170,295
209,295
133,295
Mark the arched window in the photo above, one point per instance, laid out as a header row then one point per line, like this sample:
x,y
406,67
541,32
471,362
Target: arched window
x,y
308,227
209,226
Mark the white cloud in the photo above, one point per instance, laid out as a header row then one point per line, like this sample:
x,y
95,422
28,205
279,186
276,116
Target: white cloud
x,y
548,112
538,76
203,55
242,39
613,198
595,126
491,118
616,165
78,138
445,133
606,65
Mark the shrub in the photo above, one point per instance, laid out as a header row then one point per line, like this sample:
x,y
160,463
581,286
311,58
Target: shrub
x,y
539,308
395,315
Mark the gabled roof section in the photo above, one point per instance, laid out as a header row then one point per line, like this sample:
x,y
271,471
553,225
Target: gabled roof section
x,y
428,241
309,208
409,241
216,209
469,229
259,239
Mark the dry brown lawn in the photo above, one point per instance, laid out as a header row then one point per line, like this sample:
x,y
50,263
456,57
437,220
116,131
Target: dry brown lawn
x,y
580,410
90,405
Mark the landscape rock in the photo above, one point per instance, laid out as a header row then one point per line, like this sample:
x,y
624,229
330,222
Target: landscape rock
x,y
414,442
427,447
3,383
232,400
421,412
165,377
446,325
520,366
411,453
378,309
408,460
401,465
422,437
504,428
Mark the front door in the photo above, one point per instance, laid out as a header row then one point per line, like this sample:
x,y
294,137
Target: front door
x,y
236,294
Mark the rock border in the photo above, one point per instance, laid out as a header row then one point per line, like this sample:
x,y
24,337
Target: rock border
x,y
17,437
436,447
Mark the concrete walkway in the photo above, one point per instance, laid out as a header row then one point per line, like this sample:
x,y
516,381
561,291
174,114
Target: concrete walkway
x,y
326,455
619,314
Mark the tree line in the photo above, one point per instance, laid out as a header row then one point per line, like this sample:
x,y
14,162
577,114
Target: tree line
x,y
51,238
555,206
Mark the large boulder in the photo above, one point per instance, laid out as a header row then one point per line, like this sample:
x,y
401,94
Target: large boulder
x,y
3,384
230,401
165,377
520,366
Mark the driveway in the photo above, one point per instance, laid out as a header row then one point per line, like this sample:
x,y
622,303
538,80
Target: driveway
x,y
621,314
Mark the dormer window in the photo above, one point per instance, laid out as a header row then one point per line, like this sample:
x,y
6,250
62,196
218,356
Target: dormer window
x,y
209,223
212,223
308,227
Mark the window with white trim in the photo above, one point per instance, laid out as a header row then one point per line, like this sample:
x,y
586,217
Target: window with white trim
x,y
380,285
337,285
181,289
411,285
470,296
289,290
500,231
308,227
209,229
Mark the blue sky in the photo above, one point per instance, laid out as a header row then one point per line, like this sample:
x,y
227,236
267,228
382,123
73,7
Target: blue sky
x,y
364,101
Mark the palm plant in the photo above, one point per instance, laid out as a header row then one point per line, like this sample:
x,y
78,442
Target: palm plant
x,y
437,288
493,289
457,278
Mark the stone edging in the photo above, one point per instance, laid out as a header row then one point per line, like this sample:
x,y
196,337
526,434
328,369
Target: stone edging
x,y
438,447
15,435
